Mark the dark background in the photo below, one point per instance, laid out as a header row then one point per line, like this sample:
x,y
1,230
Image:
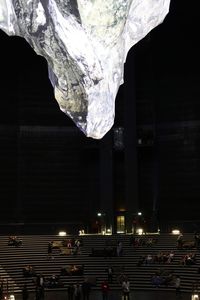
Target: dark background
x,y
50,172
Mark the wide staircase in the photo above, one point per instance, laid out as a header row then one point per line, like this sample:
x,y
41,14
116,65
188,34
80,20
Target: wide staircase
x,y
34,252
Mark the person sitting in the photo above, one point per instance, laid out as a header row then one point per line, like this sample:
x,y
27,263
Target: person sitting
x,y
156,280
148,259
53,281
188,259
180,241
28,271
73,270
141,261
14,241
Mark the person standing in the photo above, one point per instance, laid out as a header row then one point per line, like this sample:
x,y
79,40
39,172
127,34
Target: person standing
x,y
119,249
77,291
110,274
25,293
50,250
126,289
1,288
70,292
86,289
39,293
178,286
105,289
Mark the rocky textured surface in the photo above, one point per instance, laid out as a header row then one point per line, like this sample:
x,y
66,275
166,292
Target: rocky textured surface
x,y
85,43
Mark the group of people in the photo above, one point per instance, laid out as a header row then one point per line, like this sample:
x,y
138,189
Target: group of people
x,y
188,259
138,241
160,258
82,291
14,241
29,271
68,246
39,293
163,277
76,291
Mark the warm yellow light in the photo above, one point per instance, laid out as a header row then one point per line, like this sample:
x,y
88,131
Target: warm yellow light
x,y
62,233
195,297
175,231
121,209
140,231
81,232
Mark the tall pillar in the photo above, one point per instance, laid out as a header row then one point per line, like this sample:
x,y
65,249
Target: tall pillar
x,y
106,181
130,143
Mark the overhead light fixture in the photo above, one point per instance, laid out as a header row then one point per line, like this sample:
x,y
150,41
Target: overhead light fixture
x,y
139,231
195,296
176,231
62,233
81,232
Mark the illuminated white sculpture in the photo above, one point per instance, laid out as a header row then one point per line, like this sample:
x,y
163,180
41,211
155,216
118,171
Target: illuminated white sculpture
x,y
85,43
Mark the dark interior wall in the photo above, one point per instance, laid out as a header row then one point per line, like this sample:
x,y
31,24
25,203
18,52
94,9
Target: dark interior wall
x,y
168,114
173,133
50,174
47,175
8,172
49,169
179,136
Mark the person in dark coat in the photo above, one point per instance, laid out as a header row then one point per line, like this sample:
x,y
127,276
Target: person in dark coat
x,y
86,289
25,293
1,289
70,292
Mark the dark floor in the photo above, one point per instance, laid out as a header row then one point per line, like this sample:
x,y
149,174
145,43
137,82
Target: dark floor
x,y
137,295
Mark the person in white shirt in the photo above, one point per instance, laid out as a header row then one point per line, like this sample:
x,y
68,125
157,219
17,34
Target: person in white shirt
x,y
126,289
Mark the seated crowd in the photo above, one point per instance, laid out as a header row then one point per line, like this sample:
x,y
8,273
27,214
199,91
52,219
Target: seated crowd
x,y
163,277
188,259
14,241
160,258
138,241
72,246
67,247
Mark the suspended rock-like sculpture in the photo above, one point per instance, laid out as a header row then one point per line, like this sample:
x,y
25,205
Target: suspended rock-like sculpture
x,y
85,43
